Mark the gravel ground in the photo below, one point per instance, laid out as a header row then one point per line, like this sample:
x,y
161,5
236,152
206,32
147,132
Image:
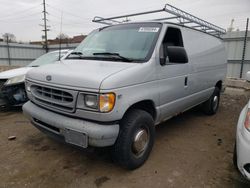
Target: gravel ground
x,y
191,150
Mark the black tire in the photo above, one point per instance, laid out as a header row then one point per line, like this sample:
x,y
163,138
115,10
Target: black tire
x,y
211,106
235,157
123,151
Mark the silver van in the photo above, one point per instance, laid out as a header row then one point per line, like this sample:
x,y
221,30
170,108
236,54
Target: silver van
x,y
122,81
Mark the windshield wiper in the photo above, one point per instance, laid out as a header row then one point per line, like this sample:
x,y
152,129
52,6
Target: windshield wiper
x,y
76,53
79,54
114,54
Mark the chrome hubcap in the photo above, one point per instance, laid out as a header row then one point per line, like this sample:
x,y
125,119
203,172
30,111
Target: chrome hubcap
x,y
215,102
140,142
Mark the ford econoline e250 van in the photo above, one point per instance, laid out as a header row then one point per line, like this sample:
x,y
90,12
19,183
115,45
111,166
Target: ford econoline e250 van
x,y
121,81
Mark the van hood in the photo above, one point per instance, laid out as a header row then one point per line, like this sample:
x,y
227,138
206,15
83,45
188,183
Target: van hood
x,y
78,73
14,72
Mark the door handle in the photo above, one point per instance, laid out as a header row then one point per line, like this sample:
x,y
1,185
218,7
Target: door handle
x,y
186,81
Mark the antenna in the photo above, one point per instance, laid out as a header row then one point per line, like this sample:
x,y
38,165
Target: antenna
x,y
60,39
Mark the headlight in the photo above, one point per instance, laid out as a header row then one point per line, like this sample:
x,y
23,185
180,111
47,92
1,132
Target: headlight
x,y
91,101
14,80
106,102
247,120
97,102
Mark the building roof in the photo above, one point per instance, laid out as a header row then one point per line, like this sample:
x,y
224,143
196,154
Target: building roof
x,y
74,39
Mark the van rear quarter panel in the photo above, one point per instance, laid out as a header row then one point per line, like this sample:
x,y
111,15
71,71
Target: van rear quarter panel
x,y
207,59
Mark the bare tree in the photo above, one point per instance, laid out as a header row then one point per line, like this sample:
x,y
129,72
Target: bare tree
x,y
9,37
62,36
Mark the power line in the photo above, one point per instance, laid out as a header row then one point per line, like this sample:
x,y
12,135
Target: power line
x,y
69,13
69,22
55,21
57,31
20,12
19,21
24,16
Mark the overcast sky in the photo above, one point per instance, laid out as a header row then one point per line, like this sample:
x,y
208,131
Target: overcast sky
x,y
22,17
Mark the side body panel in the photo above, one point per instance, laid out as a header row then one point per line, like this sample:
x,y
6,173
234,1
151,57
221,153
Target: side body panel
x,y
207,60
171,80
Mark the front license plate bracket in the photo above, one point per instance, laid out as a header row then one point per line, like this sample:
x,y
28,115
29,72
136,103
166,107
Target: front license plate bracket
x,y
76,138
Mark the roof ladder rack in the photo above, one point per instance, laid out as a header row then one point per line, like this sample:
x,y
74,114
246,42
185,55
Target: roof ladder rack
x,y
177,15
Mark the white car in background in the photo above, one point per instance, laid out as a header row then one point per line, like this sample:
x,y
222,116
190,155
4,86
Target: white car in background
x,y
12,89
242,144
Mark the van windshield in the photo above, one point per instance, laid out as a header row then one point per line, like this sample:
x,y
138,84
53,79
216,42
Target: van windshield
x,y
127,42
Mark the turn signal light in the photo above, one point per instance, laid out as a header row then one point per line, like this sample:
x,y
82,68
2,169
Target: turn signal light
x,y
106,102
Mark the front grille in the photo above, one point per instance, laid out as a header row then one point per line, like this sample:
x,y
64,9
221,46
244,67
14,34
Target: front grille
x,y
57,98
2,82
54,105
54,94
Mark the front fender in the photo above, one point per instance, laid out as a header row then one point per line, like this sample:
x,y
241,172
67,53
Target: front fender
x,y
130,95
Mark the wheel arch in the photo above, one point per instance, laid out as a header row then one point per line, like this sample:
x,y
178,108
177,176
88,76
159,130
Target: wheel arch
x,y
146,105
219,85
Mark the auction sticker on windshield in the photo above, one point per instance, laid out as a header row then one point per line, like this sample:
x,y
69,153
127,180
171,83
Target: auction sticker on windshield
x,y
149,29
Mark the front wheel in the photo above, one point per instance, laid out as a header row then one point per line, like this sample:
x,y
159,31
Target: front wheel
x,y
211,106
135,140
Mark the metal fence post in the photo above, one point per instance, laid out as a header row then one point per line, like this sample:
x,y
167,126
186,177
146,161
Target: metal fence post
x,y
8,50
244,49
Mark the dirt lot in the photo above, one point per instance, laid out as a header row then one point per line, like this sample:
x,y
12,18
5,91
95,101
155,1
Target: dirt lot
x,y
5,68
191,150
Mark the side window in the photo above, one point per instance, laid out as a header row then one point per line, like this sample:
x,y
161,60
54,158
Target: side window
x,y
172,37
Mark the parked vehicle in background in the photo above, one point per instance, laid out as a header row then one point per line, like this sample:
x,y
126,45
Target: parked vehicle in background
x,y
121,81
242,144
12,89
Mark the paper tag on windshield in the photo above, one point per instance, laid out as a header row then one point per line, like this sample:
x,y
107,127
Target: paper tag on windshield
x,y
149,29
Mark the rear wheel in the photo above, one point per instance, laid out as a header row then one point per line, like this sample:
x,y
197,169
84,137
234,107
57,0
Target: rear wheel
x,y
211,106
135,140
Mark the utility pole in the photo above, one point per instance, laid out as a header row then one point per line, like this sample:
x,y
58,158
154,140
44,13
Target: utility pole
x,y
244,49
45,26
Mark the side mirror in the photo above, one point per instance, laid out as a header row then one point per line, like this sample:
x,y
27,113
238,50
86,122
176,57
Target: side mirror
x,y
248,76
177,54
162,56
